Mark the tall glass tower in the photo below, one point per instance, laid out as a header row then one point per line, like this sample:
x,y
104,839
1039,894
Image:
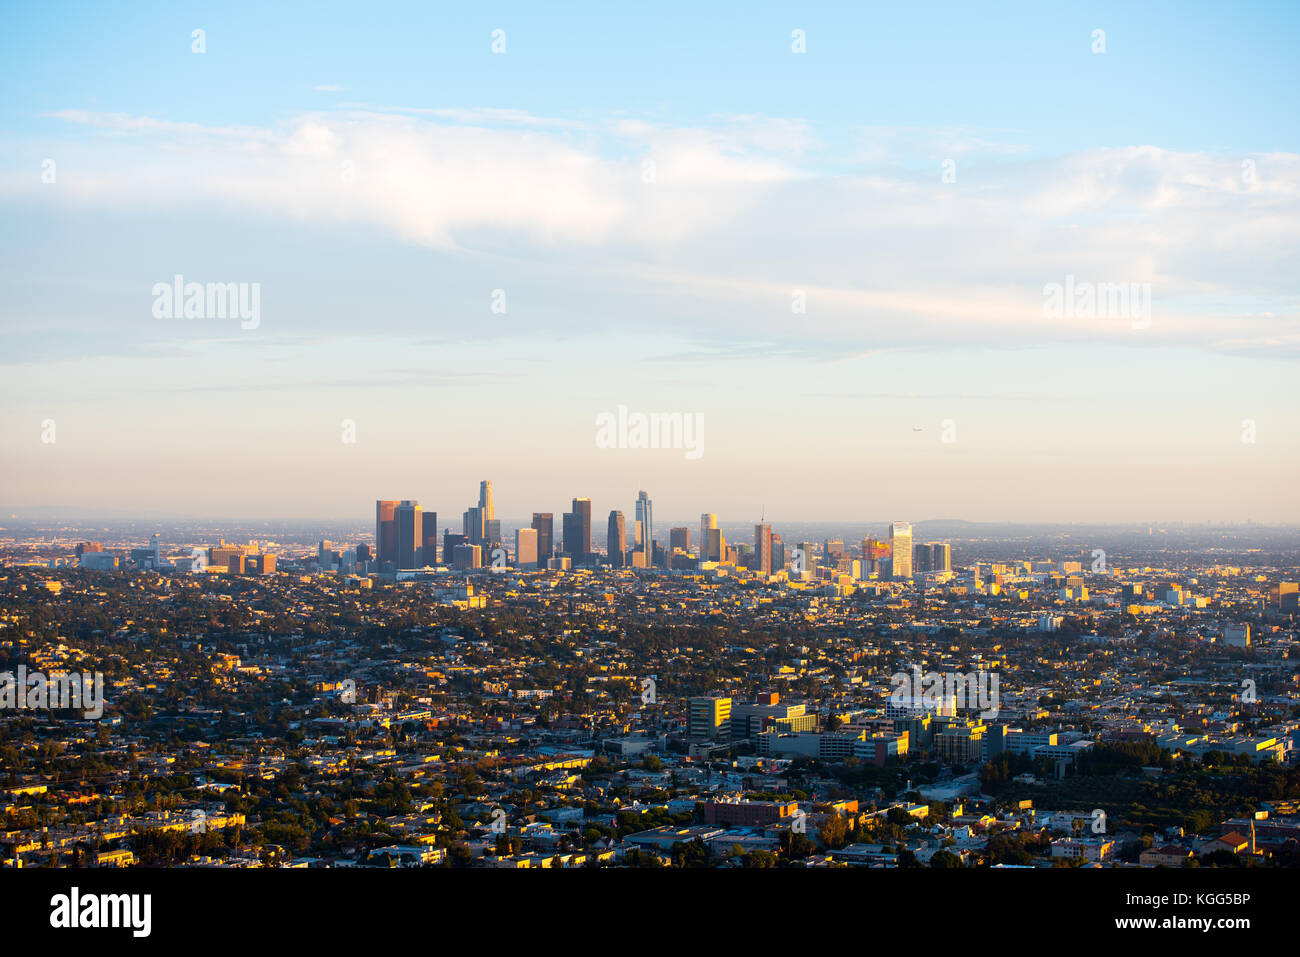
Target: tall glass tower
x,y
644,515
708,520
900,549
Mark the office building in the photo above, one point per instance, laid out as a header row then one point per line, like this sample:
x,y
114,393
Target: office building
x,y
762,549
875,557
921,558
766,713
640,557
219,555
577,530
449,542
709,717
385,531
708,520
645,522
526,548
940,557
679,538
716,546
748,813
408,519
474,525
900,549
429,547
961,743
467,557
544,523
778,553
803,562
616,540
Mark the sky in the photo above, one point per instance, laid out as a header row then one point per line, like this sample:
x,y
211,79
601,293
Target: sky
x,y
828,234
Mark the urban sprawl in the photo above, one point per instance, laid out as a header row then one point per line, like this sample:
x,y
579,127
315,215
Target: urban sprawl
x,y
420,697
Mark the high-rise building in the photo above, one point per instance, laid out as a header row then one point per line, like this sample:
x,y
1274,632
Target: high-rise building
x,y
709,717
679,538
526,548
716,547
385,531
570,533
921,557
475,526
708,520
544,523
763,549
940,557
804,561
616,545
875,554
429,547
408,519
485,500
466,557
900,549
449,542
645,516
577,529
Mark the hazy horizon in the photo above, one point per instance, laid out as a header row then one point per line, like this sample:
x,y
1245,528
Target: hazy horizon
x,y
662,522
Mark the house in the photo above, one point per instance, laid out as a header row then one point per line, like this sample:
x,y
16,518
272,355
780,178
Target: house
x,y
1168,855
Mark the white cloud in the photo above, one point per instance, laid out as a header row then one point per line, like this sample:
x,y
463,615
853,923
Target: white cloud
x,y
737,215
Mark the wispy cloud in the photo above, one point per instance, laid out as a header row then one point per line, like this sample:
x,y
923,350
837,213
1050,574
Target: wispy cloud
x,y
724,224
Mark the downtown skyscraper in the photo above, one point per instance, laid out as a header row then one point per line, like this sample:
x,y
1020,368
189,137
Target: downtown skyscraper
x,y
429,548
480,522
616,539
385,531
763,549
408,520
645,524
577,530
900,549
544,523
708,521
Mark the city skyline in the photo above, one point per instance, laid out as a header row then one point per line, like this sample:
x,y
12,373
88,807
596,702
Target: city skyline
x,y
832,438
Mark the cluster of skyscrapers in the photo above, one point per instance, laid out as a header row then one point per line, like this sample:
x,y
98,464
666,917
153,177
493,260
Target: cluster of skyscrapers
x,y
406,537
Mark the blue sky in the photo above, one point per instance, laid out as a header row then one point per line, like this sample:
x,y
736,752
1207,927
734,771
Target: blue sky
x,y
380,172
